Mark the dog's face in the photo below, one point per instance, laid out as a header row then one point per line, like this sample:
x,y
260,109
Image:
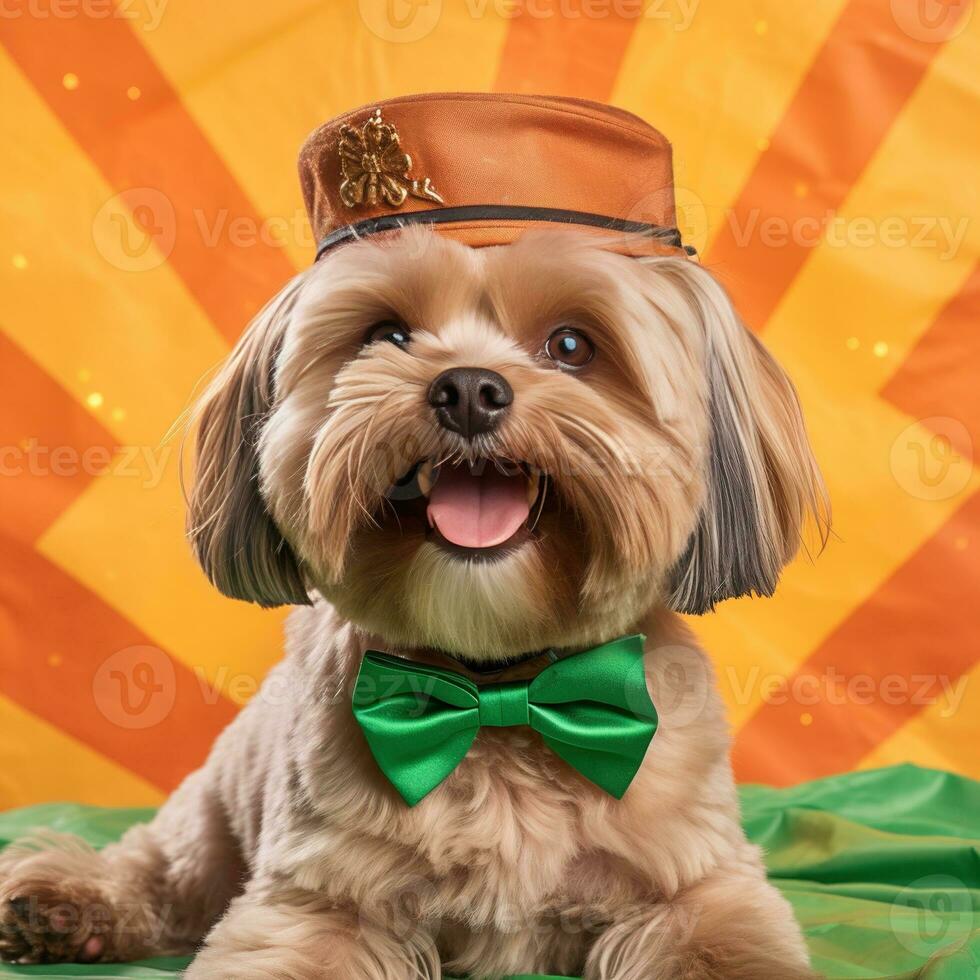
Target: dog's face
x,y
493,451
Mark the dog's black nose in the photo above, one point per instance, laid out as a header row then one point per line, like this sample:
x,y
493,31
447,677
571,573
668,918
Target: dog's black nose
x,y
470,400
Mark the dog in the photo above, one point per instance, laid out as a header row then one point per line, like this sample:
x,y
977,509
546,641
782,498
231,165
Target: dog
x,y
668,470
484,461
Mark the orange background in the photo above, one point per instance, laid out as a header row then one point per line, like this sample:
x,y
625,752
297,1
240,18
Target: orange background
x,y
827,160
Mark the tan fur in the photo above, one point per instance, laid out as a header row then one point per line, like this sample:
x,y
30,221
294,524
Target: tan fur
x,y
679,475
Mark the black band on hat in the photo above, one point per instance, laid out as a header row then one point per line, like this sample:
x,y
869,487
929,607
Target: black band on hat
x,y
499,212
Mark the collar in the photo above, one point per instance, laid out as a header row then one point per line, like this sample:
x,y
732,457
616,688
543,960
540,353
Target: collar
x,y
490,668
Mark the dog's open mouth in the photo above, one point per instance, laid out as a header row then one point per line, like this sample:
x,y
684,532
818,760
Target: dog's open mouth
x,y
477,509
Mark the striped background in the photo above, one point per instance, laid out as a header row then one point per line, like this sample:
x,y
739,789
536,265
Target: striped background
x,y
149,206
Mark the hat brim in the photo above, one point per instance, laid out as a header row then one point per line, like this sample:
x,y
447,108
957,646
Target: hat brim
x,y
481,234
488,225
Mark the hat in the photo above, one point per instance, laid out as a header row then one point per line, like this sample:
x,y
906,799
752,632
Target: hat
x,y
484,168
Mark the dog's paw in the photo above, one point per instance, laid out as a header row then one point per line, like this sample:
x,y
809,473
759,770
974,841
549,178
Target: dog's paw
x,y
45,923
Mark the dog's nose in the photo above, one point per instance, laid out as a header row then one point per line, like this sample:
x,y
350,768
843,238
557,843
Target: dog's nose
x,y
470,400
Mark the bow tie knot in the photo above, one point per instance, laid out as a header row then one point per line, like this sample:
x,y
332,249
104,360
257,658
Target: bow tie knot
x,y
505,705
591,709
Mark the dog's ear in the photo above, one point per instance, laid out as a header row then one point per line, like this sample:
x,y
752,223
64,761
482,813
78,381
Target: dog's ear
x,y
763,484
233,535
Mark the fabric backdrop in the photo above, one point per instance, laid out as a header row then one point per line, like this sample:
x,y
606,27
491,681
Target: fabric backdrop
x,y
827,159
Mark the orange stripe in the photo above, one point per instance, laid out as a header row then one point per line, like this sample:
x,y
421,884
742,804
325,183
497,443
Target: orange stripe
x,y
55,639
939,377
556,47
889,657
50,447
151,142
860,80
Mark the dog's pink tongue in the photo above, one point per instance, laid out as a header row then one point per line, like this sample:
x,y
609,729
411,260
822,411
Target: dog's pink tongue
x,y
478,511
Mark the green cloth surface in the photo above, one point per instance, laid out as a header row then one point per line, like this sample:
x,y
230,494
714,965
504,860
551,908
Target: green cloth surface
x,y
881,867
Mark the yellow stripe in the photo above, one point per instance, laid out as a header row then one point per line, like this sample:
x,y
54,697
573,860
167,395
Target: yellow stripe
x,y
716,81
40,764
286,68
878,294
944,735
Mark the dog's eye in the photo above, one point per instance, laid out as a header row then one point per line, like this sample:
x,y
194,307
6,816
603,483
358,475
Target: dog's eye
x,y
569,348
390,331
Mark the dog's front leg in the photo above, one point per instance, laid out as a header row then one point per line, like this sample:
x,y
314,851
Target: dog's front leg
x,y
733,925
271,932
155,892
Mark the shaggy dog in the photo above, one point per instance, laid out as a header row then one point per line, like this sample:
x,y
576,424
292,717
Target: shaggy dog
x,y
463,456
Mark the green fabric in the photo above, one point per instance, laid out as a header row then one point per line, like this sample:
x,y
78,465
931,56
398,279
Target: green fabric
x,y
882,869
591,709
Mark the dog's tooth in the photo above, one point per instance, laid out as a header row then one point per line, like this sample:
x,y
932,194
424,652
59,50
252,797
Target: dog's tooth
x,y
533,483
424,477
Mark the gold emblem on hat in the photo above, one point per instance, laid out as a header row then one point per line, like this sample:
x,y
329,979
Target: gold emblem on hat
x,y
375,167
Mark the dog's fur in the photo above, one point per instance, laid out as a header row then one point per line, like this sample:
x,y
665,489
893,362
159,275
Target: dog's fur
x,y
679,475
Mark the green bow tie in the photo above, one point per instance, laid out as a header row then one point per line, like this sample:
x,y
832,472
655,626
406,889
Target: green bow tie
x,y
592,709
